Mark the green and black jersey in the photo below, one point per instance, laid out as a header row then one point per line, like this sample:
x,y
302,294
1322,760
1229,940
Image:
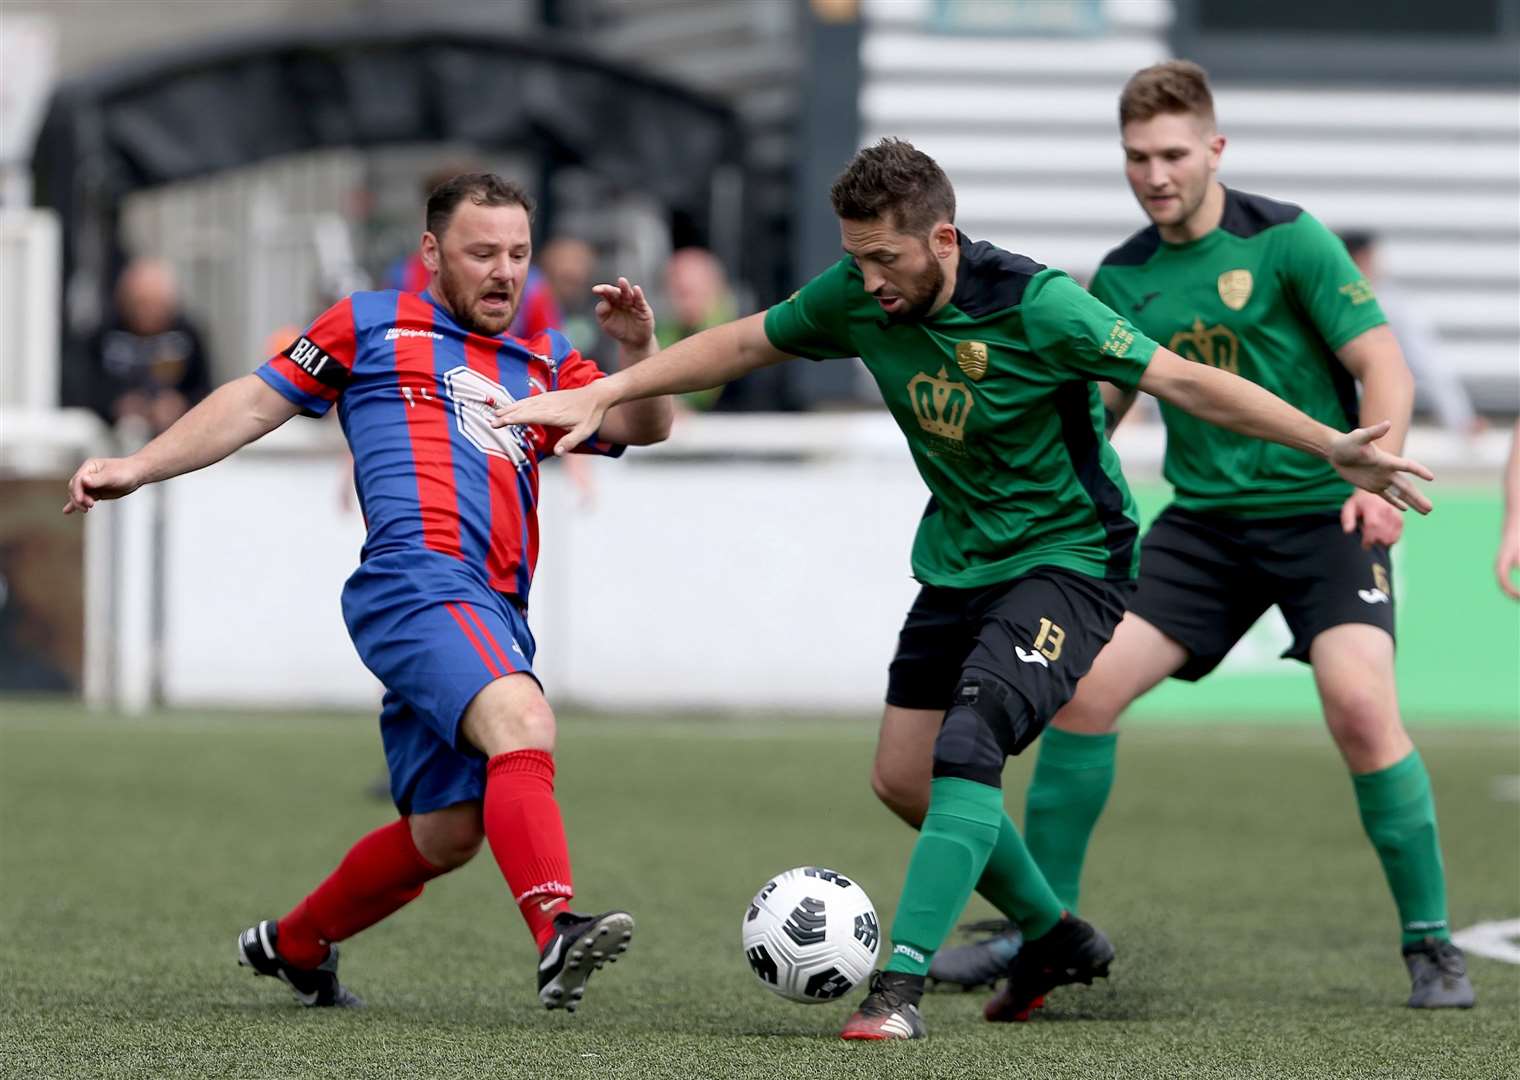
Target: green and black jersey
x,y
1269,295
995,394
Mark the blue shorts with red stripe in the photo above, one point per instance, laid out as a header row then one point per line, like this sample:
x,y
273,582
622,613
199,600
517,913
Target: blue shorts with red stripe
x,y
435,634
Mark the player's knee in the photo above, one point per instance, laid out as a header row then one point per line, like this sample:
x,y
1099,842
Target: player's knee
x,y
502,723
905,795
988,721
448,838
533,727
1365,726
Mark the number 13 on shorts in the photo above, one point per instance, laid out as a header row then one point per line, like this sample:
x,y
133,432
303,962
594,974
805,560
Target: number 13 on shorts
x,y
1050,639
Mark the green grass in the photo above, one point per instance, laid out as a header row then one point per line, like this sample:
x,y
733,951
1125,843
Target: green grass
x,y
1255,935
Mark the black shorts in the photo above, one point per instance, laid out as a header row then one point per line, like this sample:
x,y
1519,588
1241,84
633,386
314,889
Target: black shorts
x,y
1041,632
1206,578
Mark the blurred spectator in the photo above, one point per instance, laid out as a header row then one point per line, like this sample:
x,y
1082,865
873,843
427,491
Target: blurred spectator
x,y
147,365
568,266
1437,389
699,297
536,311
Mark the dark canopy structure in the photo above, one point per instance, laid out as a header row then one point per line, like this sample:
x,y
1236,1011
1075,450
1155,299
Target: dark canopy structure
x,y
203,108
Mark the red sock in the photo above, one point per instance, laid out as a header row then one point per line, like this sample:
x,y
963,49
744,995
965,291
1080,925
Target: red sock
x,y
380,874
527,836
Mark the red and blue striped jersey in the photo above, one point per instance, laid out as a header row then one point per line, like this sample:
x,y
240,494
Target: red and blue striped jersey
x,y
415,394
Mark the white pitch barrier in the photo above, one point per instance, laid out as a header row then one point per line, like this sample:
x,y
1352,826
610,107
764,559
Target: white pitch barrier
x,y
750,562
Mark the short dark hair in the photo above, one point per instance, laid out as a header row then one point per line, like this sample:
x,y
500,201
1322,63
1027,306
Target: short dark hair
x,y
1177,86
894,180
482,189
1358,241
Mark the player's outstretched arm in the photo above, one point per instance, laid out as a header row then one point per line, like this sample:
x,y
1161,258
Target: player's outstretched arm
x,y
1507,563
1240,405
232,416
700,362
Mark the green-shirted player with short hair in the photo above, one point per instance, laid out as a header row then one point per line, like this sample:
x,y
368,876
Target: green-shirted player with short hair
x,y
1244,284
989,363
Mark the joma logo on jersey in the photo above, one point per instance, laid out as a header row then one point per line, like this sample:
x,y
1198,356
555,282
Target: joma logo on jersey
x,y
940,405
1216,346
308,356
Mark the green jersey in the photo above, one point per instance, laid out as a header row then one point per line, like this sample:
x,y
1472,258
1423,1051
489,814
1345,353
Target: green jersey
x,y
1269,295
995,394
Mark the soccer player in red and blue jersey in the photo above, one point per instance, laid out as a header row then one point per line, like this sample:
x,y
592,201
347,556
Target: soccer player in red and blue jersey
x,y
437,608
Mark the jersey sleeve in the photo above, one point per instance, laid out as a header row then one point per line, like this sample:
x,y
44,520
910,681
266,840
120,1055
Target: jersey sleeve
x,y
315,368
814,321
1069,327
1326,282
571,372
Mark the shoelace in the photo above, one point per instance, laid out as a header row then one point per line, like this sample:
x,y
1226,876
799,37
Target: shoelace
x,y
1449,959
882,999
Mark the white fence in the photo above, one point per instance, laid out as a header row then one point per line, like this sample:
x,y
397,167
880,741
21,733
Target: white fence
x,y
750,562
29,247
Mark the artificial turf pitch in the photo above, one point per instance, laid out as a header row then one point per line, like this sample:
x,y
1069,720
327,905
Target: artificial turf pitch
x,y
1255,936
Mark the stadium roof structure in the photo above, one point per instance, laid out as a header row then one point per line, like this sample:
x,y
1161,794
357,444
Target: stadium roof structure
x,y
202,108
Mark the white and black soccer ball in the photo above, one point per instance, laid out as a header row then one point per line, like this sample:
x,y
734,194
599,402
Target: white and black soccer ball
x,y
811,935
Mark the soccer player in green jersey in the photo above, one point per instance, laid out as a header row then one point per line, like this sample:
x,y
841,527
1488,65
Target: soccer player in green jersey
x,y
988,361
1240,283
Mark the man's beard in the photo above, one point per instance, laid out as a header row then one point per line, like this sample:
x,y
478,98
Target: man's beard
x,y
1186,208
926,289
461,305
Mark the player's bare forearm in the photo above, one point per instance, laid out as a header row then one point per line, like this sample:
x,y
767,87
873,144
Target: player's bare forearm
x,y
710,358
707,359
1241,406
1507,562
1233,403
231,417
1377,362
642,422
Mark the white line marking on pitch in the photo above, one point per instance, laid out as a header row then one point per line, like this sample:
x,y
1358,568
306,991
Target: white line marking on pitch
x,y
1495,940
1506,788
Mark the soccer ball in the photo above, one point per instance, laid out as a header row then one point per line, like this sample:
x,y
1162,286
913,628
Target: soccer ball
x,y
810,935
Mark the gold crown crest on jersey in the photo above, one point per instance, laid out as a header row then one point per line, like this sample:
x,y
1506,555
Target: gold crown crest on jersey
x,y
940,404
1216,346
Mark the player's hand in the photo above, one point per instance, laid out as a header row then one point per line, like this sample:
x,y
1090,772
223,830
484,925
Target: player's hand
x,y
579,412
101,478
1381,523
624,315
1508,562
1372,469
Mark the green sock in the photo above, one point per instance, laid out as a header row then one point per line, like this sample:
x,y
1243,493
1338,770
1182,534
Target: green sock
x,y
958,835
1071,782
1399,815
1016,887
